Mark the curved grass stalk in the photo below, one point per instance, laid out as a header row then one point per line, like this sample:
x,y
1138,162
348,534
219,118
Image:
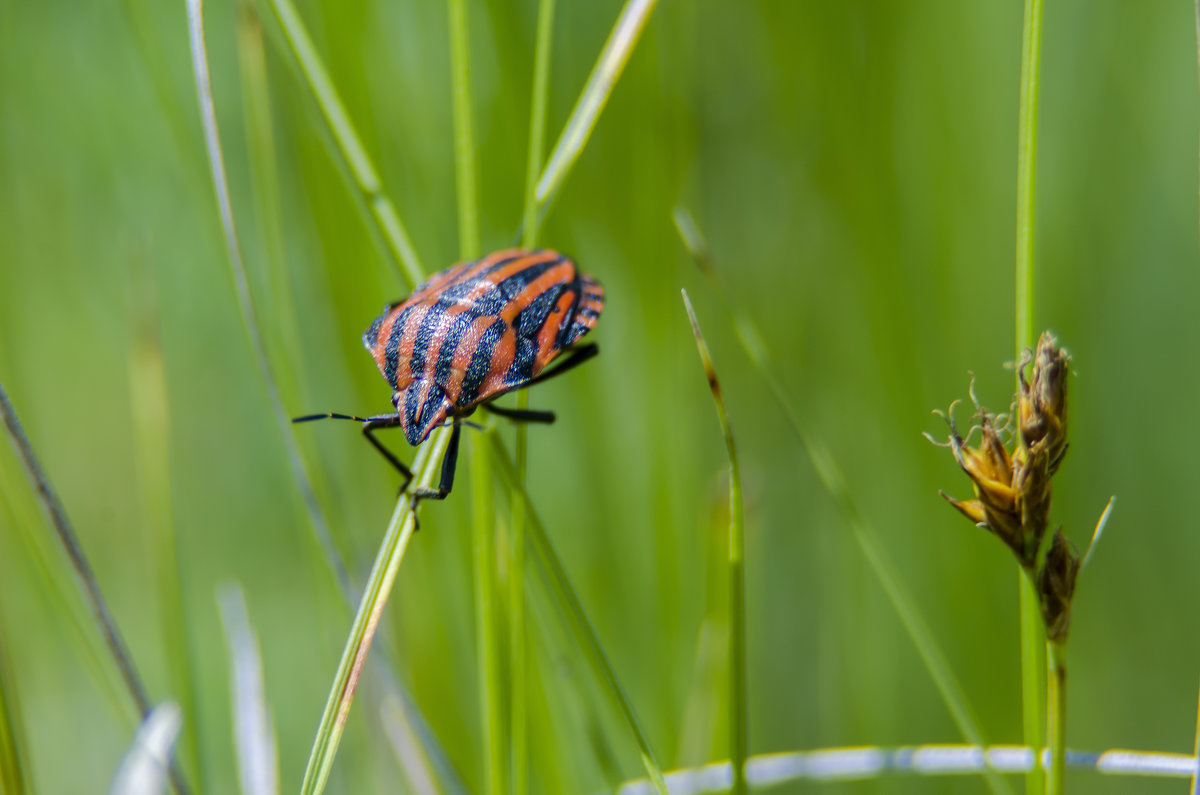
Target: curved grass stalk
x,y
738,711
560,585
378,588
349,145
751,340
332,724
594,97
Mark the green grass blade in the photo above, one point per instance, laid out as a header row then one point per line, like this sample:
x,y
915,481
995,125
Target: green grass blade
x,y
151,432
594,97
14,780
560,585
885,572
366,178
738,711
94,654
1033,635
378,588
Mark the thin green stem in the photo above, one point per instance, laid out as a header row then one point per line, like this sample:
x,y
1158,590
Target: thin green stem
x,y
1033,632
1033,668
738,711
1056,716
488,651
751,340
518,642
237,267
1031,57
486,619
560,585
537,120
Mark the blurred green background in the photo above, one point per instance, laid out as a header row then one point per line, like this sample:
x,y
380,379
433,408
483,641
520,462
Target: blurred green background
x,y
853,166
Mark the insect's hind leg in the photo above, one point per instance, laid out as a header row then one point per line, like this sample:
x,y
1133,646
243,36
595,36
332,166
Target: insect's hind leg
x,y
521,415
576,356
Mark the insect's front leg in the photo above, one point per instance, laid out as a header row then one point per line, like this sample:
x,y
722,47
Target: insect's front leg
x,y
446,482
387,421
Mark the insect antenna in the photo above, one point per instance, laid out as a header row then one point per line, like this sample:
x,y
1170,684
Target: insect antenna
x,y
329,415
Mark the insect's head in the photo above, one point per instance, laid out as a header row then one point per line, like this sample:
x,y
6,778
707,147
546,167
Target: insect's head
x,y
421,406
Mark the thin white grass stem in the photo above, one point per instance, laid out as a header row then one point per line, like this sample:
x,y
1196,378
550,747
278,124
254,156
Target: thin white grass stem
x,y
84,576
216,161
560,586
595,94
349,145
868,763
738,716
260,142
751,340
1196,747
143,771
254,736
366,621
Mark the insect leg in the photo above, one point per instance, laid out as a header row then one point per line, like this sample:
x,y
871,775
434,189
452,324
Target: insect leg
x,y
387,421
449,464
521,415
578,355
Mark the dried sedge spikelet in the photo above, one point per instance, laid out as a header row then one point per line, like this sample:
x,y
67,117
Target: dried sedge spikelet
x,y
1012,490
989,467
1056,586
1042,426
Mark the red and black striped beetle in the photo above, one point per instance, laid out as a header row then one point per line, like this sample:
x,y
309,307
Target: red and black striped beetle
x,y
470,334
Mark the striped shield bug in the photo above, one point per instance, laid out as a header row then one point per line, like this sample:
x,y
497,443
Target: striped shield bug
x,y
470,334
